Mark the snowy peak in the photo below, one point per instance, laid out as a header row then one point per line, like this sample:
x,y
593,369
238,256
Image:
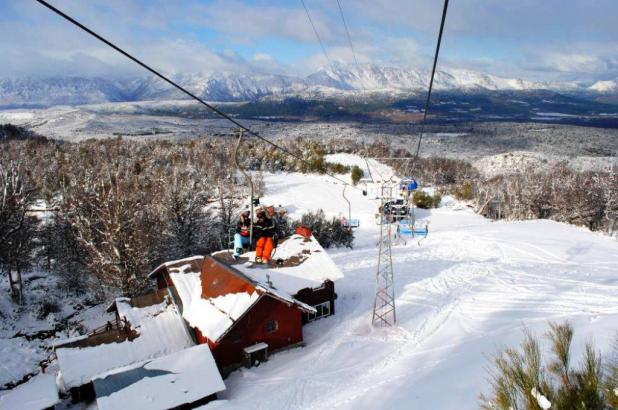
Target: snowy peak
x,y
372,77
605,87
338,80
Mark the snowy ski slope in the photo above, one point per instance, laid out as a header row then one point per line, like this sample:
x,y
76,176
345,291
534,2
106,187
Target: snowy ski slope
x,y
468,290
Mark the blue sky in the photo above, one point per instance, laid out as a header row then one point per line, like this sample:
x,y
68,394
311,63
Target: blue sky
x,y
531,39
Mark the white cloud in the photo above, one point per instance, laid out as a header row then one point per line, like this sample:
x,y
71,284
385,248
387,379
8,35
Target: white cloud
x,y
540,40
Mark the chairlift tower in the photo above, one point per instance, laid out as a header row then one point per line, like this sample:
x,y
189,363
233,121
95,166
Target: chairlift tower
x,y
384,303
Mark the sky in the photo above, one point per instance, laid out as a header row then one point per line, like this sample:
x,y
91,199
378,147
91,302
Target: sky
x,y
552,40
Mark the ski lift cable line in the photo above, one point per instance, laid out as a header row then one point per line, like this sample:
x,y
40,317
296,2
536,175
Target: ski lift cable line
x,y
185,91
360,73
317,35
428,100
433,72
347,32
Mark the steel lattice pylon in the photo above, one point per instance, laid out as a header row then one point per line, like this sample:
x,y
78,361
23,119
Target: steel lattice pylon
x,y
384,303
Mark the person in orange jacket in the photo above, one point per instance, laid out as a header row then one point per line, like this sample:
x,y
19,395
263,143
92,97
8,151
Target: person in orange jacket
x,y
264,230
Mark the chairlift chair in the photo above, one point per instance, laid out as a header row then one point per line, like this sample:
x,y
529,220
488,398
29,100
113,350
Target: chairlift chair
x,y
408,228
349,222
408,184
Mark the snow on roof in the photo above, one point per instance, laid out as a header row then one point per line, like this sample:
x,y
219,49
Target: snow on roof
x,y
166,382
161,331
195,262
135,316
214,316
40,392
305,265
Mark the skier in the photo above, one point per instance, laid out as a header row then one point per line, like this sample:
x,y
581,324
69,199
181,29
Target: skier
x,y
242,235
264,229
274,217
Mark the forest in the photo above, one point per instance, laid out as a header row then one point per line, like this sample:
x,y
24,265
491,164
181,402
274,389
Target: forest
x,y
100,214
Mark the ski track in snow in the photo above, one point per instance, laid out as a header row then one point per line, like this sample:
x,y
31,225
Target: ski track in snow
x,y
469,289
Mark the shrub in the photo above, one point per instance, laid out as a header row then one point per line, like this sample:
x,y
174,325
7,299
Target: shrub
x,y
338,168
46,307
425,201
357,174
329,233
522,381
464,192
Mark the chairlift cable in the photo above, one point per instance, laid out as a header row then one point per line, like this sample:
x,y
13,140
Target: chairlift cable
x,y
433,72
317,35
182,89
347,32
358,67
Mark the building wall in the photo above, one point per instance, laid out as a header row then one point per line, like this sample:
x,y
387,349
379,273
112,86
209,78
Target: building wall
x,y
251,329
325,293
163,280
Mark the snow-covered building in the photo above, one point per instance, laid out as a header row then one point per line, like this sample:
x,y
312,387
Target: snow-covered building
x,y
184,379
38,393
139,334
239,317
300,267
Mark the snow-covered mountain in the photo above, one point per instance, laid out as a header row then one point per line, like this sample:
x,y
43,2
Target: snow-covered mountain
x,y
334,81
605,87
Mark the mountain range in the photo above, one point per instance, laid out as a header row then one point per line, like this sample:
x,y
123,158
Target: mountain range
x,y
335,81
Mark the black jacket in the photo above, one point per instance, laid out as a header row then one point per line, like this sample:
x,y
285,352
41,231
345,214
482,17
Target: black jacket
x,y
264,227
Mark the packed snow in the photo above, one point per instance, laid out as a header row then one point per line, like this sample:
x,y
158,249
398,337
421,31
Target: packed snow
x,y
371,168
467,291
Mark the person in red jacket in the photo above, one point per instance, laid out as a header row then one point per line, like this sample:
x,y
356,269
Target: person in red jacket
x,y
264,230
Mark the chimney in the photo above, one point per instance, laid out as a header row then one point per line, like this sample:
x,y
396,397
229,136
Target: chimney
x,y
305,231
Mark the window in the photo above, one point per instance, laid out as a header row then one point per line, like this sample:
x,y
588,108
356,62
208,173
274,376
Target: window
x,y
271,326
323,309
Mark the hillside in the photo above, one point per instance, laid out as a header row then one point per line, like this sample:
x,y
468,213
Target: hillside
x,y
471,287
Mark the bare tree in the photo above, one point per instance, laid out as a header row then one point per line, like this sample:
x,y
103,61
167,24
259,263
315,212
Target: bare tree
x,y
117,228
16,227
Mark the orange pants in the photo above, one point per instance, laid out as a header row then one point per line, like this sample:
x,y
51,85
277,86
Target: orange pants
x,y
264,248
